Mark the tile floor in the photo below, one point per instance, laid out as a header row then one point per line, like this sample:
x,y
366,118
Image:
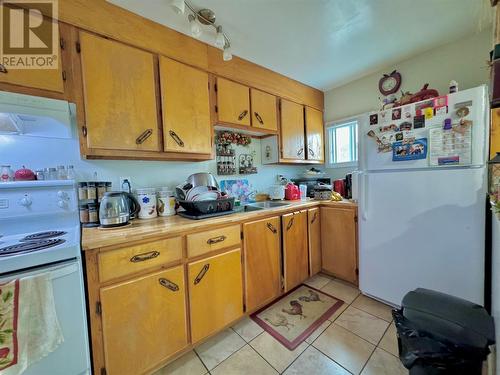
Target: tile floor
x,y
359,338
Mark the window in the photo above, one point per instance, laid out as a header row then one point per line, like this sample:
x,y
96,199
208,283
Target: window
x,y
343,144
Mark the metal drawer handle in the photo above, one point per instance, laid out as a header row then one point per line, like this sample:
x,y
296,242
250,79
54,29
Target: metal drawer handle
x,y
242,115
3,69
202,273
215,240
271,228
314,217
145,135
311,152
290,224
301,150
144,256
259,119
176,138
168,284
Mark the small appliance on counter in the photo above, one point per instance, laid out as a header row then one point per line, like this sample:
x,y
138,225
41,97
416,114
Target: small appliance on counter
x,y
292,192
322,192
115,210
348,186
277,192
311,182
339,187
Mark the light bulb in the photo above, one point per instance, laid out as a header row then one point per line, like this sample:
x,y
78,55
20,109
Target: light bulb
x,y
194,26
220,40
178,6
227,55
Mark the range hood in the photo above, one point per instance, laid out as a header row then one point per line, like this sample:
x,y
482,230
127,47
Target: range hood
x,y
35,116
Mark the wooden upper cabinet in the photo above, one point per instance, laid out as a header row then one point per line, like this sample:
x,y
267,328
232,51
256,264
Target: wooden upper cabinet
x,y
45,79
314,134
314,236
338,242
295,251
215,293
185,108
143,321
264,110
119,94
233,102
262,261
292,130
495,132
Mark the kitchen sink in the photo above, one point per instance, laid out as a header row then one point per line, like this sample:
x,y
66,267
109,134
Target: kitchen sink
x,y
268,204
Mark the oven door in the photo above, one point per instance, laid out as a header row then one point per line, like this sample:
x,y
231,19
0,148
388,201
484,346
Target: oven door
x,y
71,357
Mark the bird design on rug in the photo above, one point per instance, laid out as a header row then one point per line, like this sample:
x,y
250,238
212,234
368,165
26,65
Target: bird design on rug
x,y
313,296
295,309
279,321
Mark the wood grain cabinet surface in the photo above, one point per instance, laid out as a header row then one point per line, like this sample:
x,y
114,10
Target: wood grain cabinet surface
x,y
339,242
314,134
144,321
314,236
495,132
295,249
215,293
262,259
233,103
264,110
292,131
119,94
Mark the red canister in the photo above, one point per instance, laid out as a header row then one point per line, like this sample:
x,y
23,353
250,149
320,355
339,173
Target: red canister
x,y
292,192
339,187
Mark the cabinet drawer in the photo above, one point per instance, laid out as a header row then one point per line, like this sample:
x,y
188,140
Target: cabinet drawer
x,y
204,242
124,261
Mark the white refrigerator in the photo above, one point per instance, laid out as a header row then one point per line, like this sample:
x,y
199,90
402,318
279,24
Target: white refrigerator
x,y
421,197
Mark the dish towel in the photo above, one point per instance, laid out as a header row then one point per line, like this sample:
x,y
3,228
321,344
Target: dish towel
x,y
29,329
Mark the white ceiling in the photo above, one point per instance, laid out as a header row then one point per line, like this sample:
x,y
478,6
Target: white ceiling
x,y
326,43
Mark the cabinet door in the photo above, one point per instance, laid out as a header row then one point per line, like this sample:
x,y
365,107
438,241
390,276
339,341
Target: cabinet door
x,y
233,102
314,234
119,95
186,108
338,242
143,321
495,132
215,293
314,134
292,130
295,252
264,111
262,261
45,79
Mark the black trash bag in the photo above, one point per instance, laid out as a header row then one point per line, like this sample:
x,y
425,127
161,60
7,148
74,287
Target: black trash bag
x,y
419,348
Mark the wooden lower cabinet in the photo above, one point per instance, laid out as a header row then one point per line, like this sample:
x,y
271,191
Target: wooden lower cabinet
x,y
339,242
295,249
215,293
314,236
143,321
262,253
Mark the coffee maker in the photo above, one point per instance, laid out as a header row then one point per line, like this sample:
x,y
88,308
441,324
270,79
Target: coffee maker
x,y
348,186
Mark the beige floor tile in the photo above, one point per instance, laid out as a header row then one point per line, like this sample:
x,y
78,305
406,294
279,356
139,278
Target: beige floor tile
x,y
312,361
219,347
373,307
274,352
337,313
383,363
389,341
339,289
318,281
318,331
344,347
363,324
188,364
244,362
247,329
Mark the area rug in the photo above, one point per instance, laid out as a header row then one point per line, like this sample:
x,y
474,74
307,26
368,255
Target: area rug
x,y
295,315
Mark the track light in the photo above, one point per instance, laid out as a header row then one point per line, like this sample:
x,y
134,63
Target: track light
x,y
227,55
178,6
194,26
220,39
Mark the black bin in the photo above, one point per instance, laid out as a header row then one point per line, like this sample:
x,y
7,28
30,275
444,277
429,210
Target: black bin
x,y
442,334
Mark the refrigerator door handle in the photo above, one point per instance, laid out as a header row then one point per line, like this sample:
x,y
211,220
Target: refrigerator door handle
x,y
364,196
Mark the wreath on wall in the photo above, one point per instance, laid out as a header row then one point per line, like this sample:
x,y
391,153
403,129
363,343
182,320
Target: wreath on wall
x,y
227,137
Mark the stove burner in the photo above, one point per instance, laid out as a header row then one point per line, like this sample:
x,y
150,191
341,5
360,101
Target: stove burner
x,y
43,235
28,247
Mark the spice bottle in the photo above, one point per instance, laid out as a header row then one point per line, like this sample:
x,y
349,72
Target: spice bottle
x,y
91,190
101,189
82,190
84,213
93,216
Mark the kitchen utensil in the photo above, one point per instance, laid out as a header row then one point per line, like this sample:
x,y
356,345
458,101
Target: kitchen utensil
x,y
292,192
207,207
116,208
203,179
339,187
277,192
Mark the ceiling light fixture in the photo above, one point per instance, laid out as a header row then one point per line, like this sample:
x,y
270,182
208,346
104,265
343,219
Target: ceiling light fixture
x,y
196,18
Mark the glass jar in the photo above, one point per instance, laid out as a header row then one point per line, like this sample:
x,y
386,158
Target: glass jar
x,y
52,173
91,190
101,189
93,215
6,174
61,172
39,174
70,173
82,190
84,213
109,186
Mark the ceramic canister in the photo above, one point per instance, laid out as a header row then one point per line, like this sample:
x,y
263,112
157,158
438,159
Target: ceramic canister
x,y
166,202
147,201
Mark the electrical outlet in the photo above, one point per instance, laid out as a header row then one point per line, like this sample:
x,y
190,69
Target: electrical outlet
x,y
123,183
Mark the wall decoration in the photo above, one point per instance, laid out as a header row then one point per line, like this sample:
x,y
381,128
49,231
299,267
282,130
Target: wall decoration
x,y
419,122
388,128
396,114
246,164
428,113
227,137
389,83
405,150
405,99
407,112
374,119
423,94
383,143
405,126
448,147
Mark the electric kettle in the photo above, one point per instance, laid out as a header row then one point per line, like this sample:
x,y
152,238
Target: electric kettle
x,y
117,208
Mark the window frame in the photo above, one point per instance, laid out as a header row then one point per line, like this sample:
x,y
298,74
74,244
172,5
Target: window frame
x,y
335,124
